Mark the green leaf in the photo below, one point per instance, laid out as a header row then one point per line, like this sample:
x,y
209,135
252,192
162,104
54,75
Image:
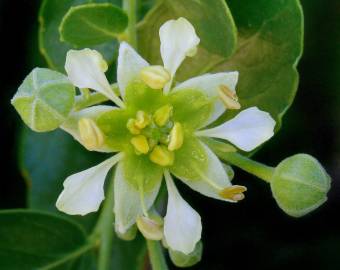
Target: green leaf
x,y
44,99
212,21
269,47
31,240
50,16
46,160
92,24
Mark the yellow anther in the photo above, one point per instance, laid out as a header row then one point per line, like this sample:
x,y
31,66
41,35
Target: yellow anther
x,y
229,98
162,115
155,77
162,156
140,143
131,126
234,193
176,137
90,134
142,119
151,228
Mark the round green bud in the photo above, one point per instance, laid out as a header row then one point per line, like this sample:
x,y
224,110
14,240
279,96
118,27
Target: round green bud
x,y
186,260
44,99
300,185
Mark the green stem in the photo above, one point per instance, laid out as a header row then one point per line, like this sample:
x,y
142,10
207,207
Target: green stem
x,y
93,99
228,154
104,230
130,7
156,255
70,256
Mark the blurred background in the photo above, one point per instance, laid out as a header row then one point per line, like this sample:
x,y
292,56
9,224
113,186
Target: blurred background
x,y
255,232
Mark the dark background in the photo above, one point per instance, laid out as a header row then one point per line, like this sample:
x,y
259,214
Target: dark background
x,y
254,233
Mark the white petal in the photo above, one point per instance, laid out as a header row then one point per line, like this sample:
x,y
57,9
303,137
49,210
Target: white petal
x,y
182,224
178,40
129,66
214,178
128,206
209,84
71,124
247,130
85,69
84,191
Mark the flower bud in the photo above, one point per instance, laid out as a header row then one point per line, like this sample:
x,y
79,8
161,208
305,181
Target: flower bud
x,y
151,227
90,134
155,77
186,260
300,185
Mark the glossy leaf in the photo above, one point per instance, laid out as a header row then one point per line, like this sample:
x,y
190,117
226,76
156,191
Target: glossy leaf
x,y
50,17
269,46
32,240
92,24
44,99
212,21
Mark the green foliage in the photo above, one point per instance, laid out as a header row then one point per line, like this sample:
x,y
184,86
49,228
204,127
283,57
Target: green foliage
x,y
32,240
92,24
44,99
182,260
50,16
212,21
270,36
300,185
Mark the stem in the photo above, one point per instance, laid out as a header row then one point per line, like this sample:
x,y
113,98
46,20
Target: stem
x,y
258,169
92,99
156,255
104,229
225,152
130,7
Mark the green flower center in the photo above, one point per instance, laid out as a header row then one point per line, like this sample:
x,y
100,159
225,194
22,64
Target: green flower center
x,y
156,135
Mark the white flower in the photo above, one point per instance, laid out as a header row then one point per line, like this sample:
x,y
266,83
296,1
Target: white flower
x,y
139,171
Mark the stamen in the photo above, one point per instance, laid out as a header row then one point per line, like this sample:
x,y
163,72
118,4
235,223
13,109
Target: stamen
x,y
162,115
141,144
151,228
162,156
155,76
176,137
206,178
234,193
131,126
142,119
90,134
229,98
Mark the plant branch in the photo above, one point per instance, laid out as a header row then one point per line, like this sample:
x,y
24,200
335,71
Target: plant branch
x,y
156,255
130,7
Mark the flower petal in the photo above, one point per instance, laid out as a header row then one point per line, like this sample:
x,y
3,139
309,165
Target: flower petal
x,y
128,205
129,66
213,178
209,85
84,191
85,69
71,124
182,224
247,130
178,40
